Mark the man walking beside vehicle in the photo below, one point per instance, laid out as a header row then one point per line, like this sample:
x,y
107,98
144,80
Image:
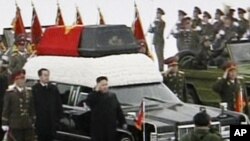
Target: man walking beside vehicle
x,y
48,106
105,112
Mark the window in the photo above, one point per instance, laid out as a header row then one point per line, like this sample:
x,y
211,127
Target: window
x,y
65,91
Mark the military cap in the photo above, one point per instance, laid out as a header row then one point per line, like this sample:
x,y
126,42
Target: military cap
x,y
241,11
230,65
18,75
181,12
171,61
219,12
197,9
202,119
160,11
206,14
20,39
231,11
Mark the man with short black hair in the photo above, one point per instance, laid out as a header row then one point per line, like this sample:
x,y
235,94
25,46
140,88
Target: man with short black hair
x,y
202,130
48,106
106,112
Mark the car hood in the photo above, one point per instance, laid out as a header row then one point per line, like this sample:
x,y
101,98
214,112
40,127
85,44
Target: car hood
x,y
244,69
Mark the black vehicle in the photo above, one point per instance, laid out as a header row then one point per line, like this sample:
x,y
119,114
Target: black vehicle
x,y
133,77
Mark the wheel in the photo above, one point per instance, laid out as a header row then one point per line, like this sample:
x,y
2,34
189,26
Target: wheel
x,y
125,138
191,96
186,59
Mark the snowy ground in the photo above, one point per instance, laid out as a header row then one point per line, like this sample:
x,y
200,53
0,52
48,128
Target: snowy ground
x,y
114,11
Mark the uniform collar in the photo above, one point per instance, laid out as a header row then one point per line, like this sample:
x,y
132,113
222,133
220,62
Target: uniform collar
x,y
43,84
19,89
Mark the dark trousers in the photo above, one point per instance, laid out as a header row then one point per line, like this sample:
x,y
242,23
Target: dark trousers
x,y
22,135
159,50
45,138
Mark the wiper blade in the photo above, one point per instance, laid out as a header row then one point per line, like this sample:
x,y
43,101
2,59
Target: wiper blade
x,y
154,99
126,104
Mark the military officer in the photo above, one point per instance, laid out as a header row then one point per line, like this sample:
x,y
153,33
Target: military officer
x,y
229,85
231,15
243,23
178,27
206,28
202,130
196,21
19,56
18,113
218,23
175,79
158,30
188,38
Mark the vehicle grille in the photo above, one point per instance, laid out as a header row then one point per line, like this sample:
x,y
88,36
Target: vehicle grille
x,y
184,129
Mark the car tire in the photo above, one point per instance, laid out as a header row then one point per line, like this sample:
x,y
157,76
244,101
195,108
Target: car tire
x,y
186,59
191,96
125,138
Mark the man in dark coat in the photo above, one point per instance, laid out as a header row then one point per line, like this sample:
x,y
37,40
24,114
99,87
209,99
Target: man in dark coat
x,y
243,23
18,110
196,21
105,112
158,40
207,31
3,87
48,106
218,23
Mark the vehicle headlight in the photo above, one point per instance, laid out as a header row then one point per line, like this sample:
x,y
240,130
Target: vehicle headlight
x,y
225,131
169,136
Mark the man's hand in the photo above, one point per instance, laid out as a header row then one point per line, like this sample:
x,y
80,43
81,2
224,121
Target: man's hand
x,y
225,74
5,128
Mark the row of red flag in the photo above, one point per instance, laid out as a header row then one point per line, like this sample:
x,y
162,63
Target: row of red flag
x,y
36,28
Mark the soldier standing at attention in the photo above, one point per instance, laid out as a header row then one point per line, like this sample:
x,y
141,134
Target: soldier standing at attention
x,y
229,85
19,56
202,130
158,30
218,23
243,23
206,28
196,21
175,79
18,113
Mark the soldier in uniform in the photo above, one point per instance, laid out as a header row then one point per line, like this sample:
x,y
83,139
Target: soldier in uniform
x,y
175,79
196,21
19,56
18,112
188,38
206,28
243,23
231,15
229,85
178,27
218,23
202,130
158,30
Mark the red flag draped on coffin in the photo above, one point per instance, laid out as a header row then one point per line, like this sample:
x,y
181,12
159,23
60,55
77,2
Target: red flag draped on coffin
x,y
60,41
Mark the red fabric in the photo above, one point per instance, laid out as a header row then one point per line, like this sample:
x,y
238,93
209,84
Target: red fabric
x,y
60,41
78,18
36,29
59,17
17,23
140,116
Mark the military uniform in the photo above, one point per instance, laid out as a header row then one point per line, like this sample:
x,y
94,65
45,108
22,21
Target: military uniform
x,y
196,21
218,23
158,40
175,81
243,23
202,134
207,28
18,114
17,61
189,40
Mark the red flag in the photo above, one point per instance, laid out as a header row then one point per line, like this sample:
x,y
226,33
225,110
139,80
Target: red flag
x,y
240,102
139,34
36,29
17,23
140,116
101,19
78,17
59,17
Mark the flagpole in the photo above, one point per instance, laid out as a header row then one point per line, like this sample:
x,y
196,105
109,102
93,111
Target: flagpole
x,y
144,119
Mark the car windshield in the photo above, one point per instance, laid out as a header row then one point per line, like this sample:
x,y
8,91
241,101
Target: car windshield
x,y
240,52
133,95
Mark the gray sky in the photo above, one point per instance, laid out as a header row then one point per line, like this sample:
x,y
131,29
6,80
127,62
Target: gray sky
x,y
114,11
